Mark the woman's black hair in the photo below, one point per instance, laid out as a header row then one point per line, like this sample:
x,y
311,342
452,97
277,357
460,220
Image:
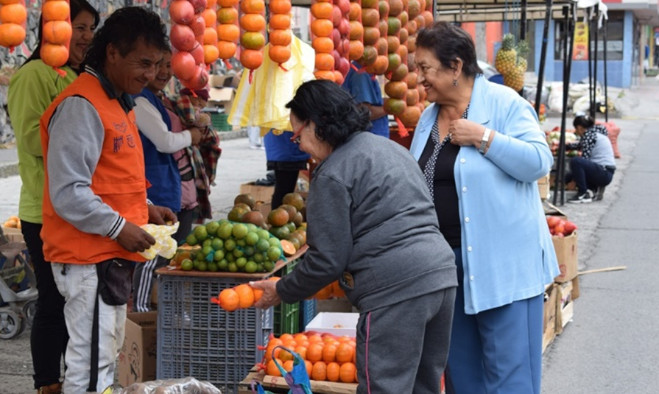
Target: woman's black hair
x,y
334,111
448,43
123,29
76,7
583,121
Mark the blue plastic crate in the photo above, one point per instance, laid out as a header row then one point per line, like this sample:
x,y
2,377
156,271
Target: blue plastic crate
x,y
308,310
199,339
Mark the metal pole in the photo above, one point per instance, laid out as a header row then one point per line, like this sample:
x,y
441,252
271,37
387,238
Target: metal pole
x,y
590,60
593,106
606,74
559,183
522,23
543,57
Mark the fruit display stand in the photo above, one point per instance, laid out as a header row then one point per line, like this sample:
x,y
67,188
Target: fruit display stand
x,y
199,339
277,384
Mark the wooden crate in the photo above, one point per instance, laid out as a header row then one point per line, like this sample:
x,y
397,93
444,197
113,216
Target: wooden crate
x,y
277,384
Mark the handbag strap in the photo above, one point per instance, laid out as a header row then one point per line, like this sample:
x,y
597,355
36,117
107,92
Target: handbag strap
x,y
93,371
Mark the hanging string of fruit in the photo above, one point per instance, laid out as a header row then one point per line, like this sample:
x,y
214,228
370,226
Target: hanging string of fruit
x,y
356,33
12,23
252,39
321,29
280,31
428,14
56,33
211,51
395,87
370,20
186,36
411,114
381,63
341,39
228,31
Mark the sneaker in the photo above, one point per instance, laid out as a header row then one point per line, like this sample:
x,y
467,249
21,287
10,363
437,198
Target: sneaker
x,y
599,193
582,198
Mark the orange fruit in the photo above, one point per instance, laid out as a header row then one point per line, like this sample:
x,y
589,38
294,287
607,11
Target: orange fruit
x,y
278,217
300,337
344,353
288,365
226,49
314,338
227,15
227,3
319,371
252,22
323,44
286,337
322,27
302,351
322,10
251,58
348,373
210,17
55,10
228,32
329,352
57,32
13,13
325,292
252,6
280,6
280,54
271,368
337,290
280,37
324,62
280,21
308,366
211,53
328,75
245,294
315,352
258,293
54,55
356,49
210,36
229,300
272,343
333,370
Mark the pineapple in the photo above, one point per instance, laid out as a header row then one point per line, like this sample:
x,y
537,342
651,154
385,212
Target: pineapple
x,y
522,54
506,57
515,78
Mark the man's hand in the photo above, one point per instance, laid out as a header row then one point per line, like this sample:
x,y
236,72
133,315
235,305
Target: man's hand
x,y
161,215
269,297
134,239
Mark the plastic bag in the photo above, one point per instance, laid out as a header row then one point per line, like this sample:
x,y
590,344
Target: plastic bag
x,y
165,245
297,379
169,386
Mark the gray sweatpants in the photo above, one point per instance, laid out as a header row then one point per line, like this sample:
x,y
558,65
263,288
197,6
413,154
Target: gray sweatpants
x,y
403,348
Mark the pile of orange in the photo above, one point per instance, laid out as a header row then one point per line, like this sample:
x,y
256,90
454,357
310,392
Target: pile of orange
x,y
330,291
326,357
239,297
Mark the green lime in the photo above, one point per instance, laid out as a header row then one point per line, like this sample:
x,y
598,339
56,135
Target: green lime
x,y
233,267
196,264
241,242
212,227
222,221
258,257
251,267
274,253
187,265
290,226
225,230
241,262
239,231
249,251
223,265
200,232
217,243
229,245
262,245
263,233
230,257
238,253
269,266
219,255
260,267
251,238
191,240
207,242
274,242
251,227
212,266
206,250
203,266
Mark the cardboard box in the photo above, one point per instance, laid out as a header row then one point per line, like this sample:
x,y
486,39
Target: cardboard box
x,y
224,81
335,305
221,97
566,253
549,321
565,308
137,358
336,323
260,193
543,187
13,234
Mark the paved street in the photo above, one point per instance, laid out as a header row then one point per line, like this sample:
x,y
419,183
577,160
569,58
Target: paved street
x,y
610,346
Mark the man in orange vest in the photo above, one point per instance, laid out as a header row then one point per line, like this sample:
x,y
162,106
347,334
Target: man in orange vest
x,y
95,192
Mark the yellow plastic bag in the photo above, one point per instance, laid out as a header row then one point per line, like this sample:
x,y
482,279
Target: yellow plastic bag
x,y
165,245
262,101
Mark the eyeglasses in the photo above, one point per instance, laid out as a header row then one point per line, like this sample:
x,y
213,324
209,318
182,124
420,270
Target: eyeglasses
x,y
296,133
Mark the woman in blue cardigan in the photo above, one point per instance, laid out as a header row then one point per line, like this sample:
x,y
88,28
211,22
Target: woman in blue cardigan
x,y
481,150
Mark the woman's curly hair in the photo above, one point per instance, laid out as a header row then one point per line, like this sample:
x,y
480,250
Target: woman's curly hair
x,y
334,111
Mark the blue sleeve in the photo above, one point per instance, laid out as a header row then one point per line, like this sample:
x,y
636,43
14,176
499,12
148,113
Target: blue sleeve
x,y
363,88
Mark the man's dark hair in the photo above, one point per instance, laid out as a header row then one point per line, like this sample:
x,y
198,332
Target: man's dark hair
x,y
76,6
333,110
123,29
583,121
448,42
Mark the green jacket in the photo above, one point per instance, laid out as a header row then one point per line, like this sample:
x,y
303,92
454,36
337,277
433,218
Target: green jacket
x,y
31,90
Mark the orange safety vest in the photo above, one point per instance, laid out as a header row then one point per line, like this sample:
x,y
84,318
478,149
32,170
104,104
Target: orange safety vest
x,y
119,180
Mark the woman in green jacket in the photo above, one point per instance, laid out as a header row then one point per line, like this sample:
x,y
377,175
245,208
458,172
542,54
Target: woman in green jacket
x,y
31,90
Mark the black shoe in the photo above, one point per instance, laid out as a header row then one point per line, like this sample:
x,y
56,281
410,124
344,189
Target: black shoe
x,y
599,193
582,198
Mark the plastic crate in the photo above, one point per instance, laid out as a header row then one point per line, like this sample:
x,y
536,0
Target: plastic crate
x,y
220,121
287,316
197,338
308,310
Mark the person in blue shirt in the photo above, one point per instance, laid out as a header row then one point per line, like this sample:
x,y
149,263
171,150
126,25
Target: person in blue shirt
x,y
481,150
367,92
285,158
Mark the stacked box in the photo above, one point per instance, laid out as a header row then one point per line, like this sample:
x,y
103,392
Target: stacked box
x,y
565,305
566,253
137,358
199,339
549,323
260,193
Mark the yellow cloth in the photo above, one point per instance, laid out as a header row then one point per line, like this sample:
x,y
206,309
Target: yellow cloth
x,y
262,102
165,245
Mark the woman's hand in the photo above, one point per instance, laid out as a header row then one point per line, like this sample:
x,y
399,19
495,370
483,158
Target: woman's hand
x,y
465,132
270,296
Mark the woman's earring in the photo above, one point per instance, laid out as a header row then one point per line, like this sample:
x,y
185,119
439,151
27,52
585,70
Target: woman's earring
x,y
455,82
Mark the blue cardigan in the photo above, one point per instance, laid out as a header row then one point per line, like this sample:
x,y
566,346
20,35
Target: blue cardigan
x,y
507,250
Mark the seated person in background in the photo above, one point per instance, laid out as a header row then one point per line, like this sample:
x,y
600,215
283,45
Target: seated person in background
x,y
594,169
